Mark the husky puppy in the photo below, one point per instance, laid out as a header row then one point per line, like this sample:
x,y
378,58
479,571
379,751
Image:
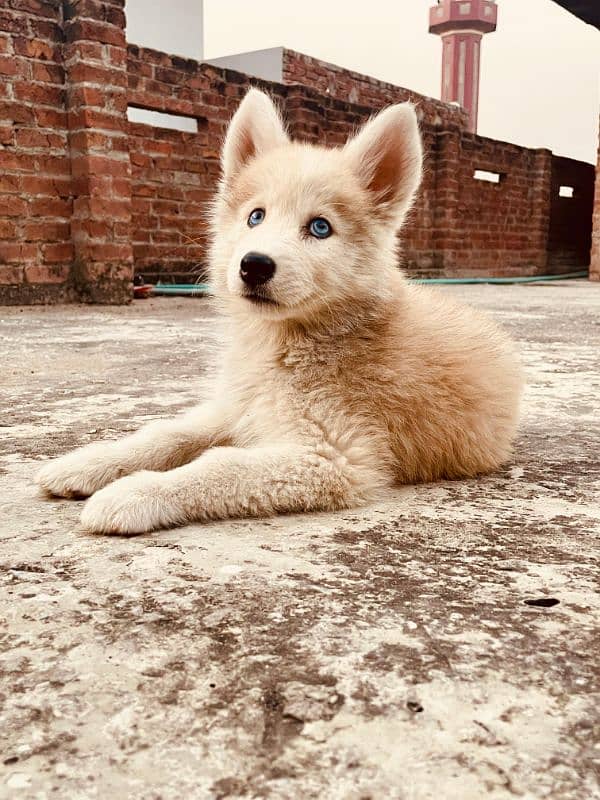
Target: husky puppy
x,y
341,379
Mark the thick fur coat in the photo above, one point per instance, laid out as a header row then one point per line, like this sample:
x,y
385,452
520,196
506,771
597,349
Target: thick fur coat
x,y
340,379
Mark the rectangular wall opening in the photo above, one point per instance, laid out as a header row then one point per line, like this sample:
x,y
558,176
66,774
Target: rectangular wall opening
x,y
566,191
160,119
490,177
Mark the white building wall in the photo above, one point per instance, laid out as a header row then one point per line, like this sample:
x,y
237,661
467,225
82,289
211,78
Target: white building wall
x,y
173,26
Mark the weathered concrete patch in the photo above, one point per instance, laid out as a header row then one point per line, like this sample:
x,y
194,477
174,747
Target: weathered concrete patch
x,y
410,650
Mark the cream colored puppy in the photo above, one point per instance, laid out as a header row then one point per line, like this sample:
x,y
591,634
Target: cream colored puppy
x,y
341,379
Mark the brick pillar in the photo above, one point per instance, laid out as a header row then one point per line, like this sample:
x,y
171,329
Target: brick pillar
x,y
305,119
95,60
541,202
446,195
35,171
595,257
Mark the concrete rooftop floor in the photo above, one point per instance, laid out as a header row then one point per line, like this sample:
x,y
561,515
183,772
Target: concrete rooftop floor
x,y
387,652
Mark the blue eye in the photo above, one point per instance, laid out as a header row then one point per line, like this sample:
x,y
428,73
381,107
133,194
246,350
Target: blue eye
x,y
256,217
319,228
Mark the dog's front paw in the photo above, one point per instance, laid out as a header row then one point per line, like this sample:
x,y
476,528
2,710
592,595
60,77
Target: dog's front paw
x,y
137,504
79,474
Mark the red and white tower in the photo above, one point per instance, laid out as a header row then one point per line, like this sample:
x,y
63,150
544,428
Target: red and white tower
x,y
461,24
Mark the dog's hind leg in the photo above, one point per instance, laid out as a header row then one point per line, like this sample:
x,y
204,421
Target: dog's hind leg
x,y
227,482
160,446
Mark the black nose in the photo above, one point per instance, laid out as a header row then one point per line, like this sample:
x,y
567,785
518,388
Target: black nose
x,y
256,269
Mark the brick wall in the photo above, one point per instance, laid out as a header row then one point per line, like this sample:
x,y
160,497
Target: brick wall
x,y
491,228
87,197
461,226
595,257
570,239
64,189
174,173
35,171
169,194
335,81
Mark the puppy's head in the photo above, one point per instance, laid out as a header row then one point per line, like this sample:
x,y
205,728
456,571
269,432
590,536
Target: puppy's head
x,y
299,229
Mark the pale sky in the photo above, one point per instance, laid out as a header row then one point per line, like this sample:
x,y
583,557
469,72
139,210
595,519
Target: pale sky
x,y
540,73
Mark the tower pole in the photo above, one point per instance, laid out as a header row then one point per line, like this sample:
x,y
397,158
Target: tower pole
x,y
461,25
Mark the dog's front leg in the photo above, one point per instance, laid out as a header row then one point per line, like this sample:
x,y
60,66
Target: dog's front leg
x,y
158,446
224,482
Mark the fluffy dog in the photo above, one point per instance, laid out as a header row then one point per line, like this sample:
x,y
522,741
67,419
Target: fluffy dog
x,y
341,379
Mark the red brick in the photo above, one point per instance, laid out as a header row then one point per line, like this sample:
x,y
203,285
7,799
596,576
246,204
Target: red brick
x,y
101,10
84,51
45,231
51,207
16,161
13,22
16,113
12,206
16,252
117,56
101,75
8,230
57,253
140,159
86,96
37,7
88,118
42,273
34,138
52,165
82,141
46,72
120,187
122,230
11,275
94,228
9,65
49,186
45,29
7,135
10,183
39,93
109,252
36,48
92,185
120,271
92,30
117,101
98,165
154,146
51,118
98,207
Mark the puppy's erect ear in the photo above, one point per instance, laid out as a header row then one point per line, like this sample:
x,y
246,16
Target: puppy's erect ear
x,y
387,157
255,128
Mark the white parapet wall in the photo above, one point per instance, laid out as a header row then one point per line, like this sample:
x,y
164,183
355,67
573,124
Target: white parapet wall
x,y
266,64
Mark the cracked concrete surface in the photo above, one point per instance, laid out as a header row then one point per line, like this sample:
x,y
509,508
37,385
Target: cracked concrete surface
x,y
389,652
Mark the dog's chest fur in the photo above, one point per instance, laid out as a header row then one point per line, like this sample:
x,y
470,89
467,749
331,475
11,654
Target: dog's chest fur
x,y
301,387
